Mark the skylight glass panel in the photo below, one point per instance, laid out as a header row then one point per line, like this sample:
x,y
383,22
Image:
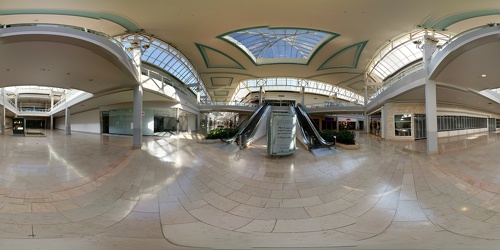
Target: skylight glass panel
x,y
169,59
399,53
293,84
282,43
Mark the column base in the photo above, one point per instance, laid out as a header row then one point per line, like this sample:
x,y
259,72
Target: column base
x,y
137,138
432,143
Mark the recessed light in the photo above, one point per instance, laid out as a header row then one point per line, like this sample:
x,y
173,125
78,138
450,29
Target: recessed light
x,y
483,75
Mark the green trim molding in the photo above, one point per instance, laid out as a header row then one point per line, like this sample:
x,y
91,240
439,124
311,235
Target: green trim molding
x,y
221,92
358,47
221,81
443,23
231,63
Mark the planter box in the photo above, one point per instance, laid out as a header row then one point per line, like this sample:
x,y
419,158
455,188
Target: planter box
x,y
348,147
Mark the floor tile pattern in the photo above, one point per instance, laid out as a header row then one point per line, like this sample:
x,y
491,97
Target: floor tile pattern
x,y
176,193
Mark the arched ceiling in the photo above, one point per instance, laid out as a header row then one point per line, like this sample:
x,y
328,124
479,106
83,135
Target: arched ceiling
x,y
193,27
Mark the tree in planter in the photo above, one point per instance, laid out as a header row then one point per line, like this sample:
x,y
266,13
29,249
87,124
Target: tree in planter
x,y
219,133
343,136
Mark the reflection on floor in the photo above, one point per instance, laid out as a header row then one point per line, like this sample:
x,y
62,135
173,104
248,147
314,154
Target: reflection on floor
x,y
87,191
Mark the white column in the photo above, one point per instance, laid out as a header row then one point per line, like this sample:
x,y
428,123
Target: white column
x,y
198,96
3,111
383,121
366,125
15,101
198,122
260,95
303,92
51,122
137,113
178,123
137,117
67,121
430,97
51,102
337,123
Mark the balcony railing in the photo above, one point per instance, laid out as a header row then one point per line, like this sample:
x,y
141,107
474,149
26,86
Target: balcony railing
x,y
391,81
332,104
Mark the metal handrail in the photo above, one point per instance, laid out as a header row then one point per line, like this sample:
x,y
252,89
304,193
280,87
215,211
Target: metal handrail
x,y
250,138
340,104
316,133
244,125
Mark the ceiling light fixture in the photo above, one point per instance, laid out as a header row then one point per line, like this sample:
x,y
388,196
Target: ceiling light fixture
x,y
483,75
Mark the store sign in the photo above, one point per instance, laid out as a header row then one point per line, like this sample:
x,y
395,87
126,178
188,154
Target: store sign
x,y
281,134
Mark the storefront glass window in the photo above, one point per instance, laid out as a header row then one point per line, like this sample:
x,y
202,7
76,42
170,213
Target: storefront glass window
x,y
402,125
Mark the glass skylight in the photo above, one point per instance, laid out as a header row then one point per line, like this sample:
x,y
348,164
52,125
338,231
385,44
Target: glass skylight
x,y
172,61
264,44
295,85
399,53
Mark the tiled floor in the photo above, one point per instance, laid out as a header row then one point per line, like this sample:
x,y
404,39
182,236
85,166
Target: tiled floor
x,y
88,191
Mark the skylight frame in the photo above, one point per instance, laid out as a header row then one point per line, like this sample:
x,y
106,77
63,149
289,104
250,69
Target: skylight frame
x,y
264,45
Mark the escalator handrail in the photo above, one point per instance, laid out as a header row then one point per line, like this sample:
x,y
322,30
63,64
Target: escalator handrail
x,y
244,125
255,120
315,131
305,136
266,110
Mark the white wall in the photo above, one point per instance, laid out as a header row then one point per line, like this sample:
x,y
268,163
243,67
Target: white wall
x,y
8,122
58,123
191,122
88,121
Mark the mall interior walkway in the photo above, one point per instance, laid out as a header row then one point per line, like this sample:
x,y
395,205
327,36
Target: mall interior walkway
x,y
90,191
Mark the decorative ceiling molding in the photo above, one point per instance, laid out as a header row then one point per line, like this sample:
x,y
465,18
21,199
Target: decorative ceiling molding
x,y
216,59
347,57
221,92
443,23
221,81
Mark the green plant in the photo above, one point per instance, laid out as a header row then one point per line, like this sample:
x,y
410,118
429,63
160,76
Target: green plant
x,y
219,133
342,136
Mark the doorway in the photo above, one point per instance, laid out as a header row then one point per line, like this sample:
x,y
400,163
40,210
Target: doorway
x,y
105,122
419,122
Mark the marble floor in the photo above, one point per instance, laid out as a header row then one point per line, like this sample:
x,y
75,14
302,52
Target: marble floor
x,y
88,191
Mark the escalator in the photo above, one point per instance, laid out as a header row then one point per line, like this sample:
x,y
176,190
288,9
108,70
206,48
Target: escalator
x,y
248,128
308,131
